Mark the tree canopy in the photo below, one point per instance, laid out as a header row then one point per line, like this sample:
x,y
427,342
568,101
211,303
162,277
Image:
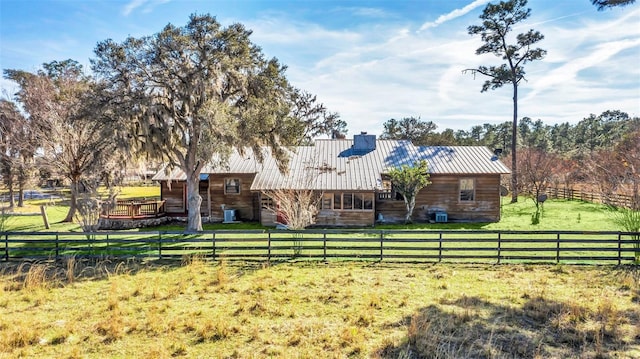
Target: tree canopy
x,y
409,128
408,181
67,123
608,4
187,93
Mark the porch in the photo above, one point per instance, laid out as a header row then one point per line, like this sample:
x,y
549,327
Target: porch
x,y
134,209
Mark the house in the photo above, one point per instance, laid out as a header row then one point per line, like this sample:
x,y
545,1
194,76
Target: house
x,y
350,174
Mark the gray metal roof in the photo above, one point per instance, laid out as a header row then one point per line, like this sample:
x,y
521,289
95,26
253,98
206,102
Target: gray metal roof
x,y
334,165
237,163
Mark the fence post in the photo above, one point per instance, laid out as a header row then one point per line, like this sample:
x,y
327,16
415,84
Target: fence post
x,y
558,248
324,245
440,247
619,248
499,246
269,247
381,245
6,247
159,245
213,245
57,246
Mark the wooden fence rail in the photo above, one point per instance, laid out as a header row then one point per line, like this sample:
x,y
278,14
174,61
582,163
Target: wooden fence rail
x,y
614,199
379,245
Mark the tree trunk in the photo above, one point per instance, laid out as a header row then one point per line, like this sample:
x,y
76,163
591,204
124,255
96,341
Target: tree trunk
x,y
12,200
514,143
411,204
72,202
20,195
194,200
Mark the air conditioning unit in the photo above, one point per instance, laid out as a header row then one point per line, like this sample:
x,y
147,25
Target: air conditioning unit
x,y
229,215
441,217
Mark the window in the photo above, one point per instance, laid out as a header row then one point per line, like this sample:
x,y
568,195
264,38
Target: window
x,y
368,202
467,190
389,191
337,201
347,202
326,201
231,186
357,201
350,201
267,202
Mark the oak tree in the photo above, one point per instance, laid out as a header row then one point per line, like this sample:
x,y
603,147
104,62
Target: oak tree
x,y
188,93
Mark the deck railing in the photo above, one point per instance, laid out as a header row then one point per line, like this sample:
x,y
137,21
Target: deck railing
x,y
134,209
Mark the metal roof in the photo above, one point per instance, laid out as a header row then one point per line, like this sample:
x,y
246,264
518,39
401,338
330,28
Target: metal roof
x,y
333,165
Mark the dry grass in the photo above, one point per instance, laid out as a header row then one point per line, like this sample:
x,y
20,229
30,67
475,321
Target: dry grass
x,y
202,309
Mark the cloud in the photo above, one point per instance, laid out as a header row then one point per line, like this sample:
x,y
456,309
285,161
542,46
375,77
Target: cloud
x,y
132,5
453,14
135,4
367,12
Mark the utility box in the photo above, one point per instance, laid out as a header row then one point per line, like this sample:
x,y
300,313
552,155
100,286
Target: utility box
x,y
441,217
229,216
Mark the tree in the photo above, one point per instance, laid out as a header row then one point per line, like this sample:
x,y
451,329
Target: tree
x,y
497,22
68,119
408,181
315,119
17,150
608,4
10,121
627,156
187,93
536,175
409,128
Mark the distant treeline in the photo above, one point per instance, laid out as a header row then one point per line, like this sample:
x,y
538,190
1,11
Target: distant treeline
x,y
591,134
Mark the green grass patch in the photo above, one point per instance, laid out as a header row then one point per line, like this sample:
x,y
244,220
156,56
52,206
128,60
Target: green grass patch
x,y
196,309
557,215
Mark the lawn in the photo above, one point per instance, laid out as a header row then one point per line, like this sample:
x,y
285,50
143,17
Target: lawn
x,y
77,308
302,310
558,215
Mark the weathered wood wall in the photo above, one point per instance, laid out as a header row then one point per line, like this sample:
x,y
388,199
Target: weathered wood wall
x,y
443,195
345,218
174,197
246,203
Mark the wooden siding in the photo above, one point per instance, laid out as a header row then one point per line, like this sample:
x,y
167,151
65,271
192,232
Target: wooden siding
x,y
174,197
345,218
246,203
443,195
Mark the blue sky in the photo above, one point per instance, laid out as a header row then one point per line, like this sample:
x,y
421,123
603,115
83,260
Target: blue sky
x,y
372,60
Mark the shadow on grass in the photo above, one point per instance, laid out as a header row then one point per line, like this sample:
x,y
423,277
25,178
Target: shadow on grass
x,y
470,327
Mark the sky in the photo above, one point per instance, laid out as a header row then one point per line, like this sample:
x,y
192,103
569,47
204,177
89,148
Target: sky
x,y
374,60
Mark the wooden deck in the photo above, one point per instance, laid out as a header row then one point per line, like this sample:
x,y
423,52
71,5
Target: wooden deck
x,y
135,209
